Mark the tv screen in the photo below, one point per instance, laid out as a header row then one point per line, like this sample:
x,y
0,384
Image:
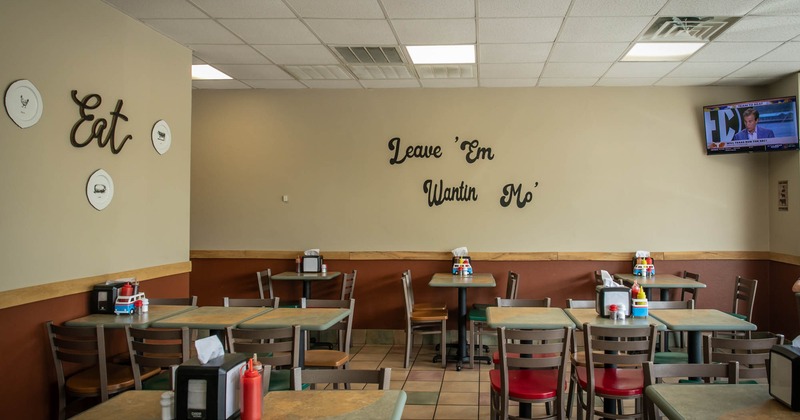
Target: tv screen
x,y
753,126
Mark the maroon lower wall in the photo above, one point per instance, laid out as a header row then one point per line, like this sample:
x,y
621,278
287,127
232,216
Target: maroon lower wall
x,y
28,389
379,297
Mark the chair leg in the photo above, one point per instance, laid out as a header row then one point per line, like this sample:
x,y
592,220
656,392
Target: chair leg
x,y
570,394
443,349
408,348
472,344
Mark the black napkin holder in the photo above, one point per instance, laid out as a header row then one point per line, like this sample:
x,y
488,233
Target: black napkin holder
x,y
607,296
311,264
784,375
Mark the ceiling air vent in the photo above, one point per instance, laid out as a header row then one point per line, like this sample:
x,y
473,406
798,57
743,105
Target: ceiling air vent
x,y
688,28
370,55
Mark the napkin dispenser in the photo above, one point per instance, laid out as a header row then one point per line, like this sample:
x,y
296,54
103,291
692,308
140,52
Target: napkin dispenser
x,y
606,296
208,391
104,295
312,263
784,375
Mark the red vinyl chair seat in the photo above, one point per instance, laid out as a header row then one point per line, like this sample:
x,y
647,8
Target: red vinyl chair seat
x,y
614,382
528,384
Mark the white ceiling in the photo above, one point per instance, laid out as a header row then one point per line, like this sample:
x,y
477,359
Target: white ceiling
x,y
289,44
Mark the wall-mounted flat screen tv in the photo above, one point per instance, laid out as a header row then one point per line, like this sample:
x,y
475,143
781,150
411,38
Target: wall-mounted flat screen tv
x,y
762,125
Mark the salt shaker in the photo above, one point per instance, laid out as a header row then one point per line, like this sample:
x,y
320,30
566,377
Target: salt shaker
x,y
168,405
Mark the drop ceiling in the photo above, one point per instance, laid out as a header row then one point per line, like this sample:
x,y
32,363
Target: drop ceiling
x,y
301,44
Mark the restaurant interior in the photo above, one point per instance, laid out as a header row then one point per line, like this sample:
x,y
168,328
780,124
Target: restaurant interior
x,y
552,176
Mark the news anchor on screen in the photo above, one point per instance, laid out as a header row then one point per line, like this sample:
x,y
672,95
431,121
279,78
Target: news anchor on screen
x,y
752,131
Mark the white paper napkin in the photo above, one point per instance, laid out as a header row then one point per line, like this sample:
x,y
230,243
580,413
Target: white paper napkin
x,y
460,252
208,348
608,279
314,251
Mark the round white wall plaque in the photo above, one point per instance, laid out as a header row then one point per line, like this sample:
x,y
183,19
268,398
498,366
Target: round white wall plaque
x,y
24,103
162,137
100,189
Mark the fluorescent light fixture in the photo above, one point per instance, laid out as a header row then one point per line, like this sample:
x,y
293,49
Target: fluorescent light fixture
x,y
206,72
442,54
662,51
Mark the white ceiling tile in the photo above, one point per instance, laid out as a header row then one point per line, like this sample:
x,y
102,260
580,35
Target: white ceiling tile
x,y
686,81
767,69
253,71
616,7
435,31
717,70
353,32
518,30
318,72
446,71
449,83
777,8
400,83
298,54
426,9
733,51
382,72
645,70
708,7
744,81
575,70
789,51
194,31
522,8
602,29
275,84
507,82
332,84
559,82
157,9
584,52
510,71
245,8
514,53
227,54
271,31
219,84
627,81
763,28
338,9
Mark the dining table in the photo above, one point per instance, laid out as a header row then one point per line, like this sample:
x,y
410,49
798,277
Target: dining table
x,y
462,283
129,405
212,318
136,320
663,282
334,404
717,401
306,278
697,321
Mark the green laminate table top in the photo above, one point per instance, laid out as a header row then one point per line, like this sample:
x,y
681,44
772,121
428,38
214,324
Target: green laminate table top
x,y
717,401
661,281
450,280
314,319
293,275
129,405
700,320
350,405
527,318
143,320
211,317
583,315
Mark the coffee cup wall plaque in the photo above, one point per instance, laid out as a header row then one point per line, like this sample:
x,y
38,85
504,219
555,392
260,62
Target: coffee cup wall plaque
x,y
162,137
100,189
24,103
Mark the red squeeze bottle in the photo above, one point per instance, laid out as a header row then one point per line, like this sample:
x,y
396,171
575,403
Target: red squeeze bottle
x,y
251,393
126,290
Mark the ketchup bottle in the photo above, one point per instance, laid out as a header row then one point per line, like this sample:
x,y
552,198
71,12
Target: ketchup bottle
x,y
126,290
251,393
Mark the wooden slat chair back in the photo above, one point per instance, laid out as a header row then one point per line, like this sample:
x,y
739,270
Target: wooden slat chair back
x,y
264,279
263,303
477,320
161,349
349,377
664,356
348,285
621,351
539,378
277,347
422,322
709,372
751,353
332,358
744,297
85,348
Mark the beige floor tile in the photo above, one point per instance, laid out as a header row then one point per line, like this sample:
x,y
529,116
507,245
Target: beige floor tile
x,y
419,412
464,375
399,374
434,386
456,412
369,364
458,398
376,349
396,384
460,387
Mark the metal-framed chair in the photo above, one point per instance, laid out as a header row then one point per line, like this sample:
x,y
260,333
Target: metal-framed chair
x,y
349,377
709,372
332,358
277,347
157,349
477,321
751,353
663,355
422,322
264,303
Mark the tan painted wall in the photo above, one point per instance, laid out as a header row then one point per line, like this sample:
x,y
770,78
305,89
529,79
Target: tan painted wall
x,y
785,225
595,153
49,231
